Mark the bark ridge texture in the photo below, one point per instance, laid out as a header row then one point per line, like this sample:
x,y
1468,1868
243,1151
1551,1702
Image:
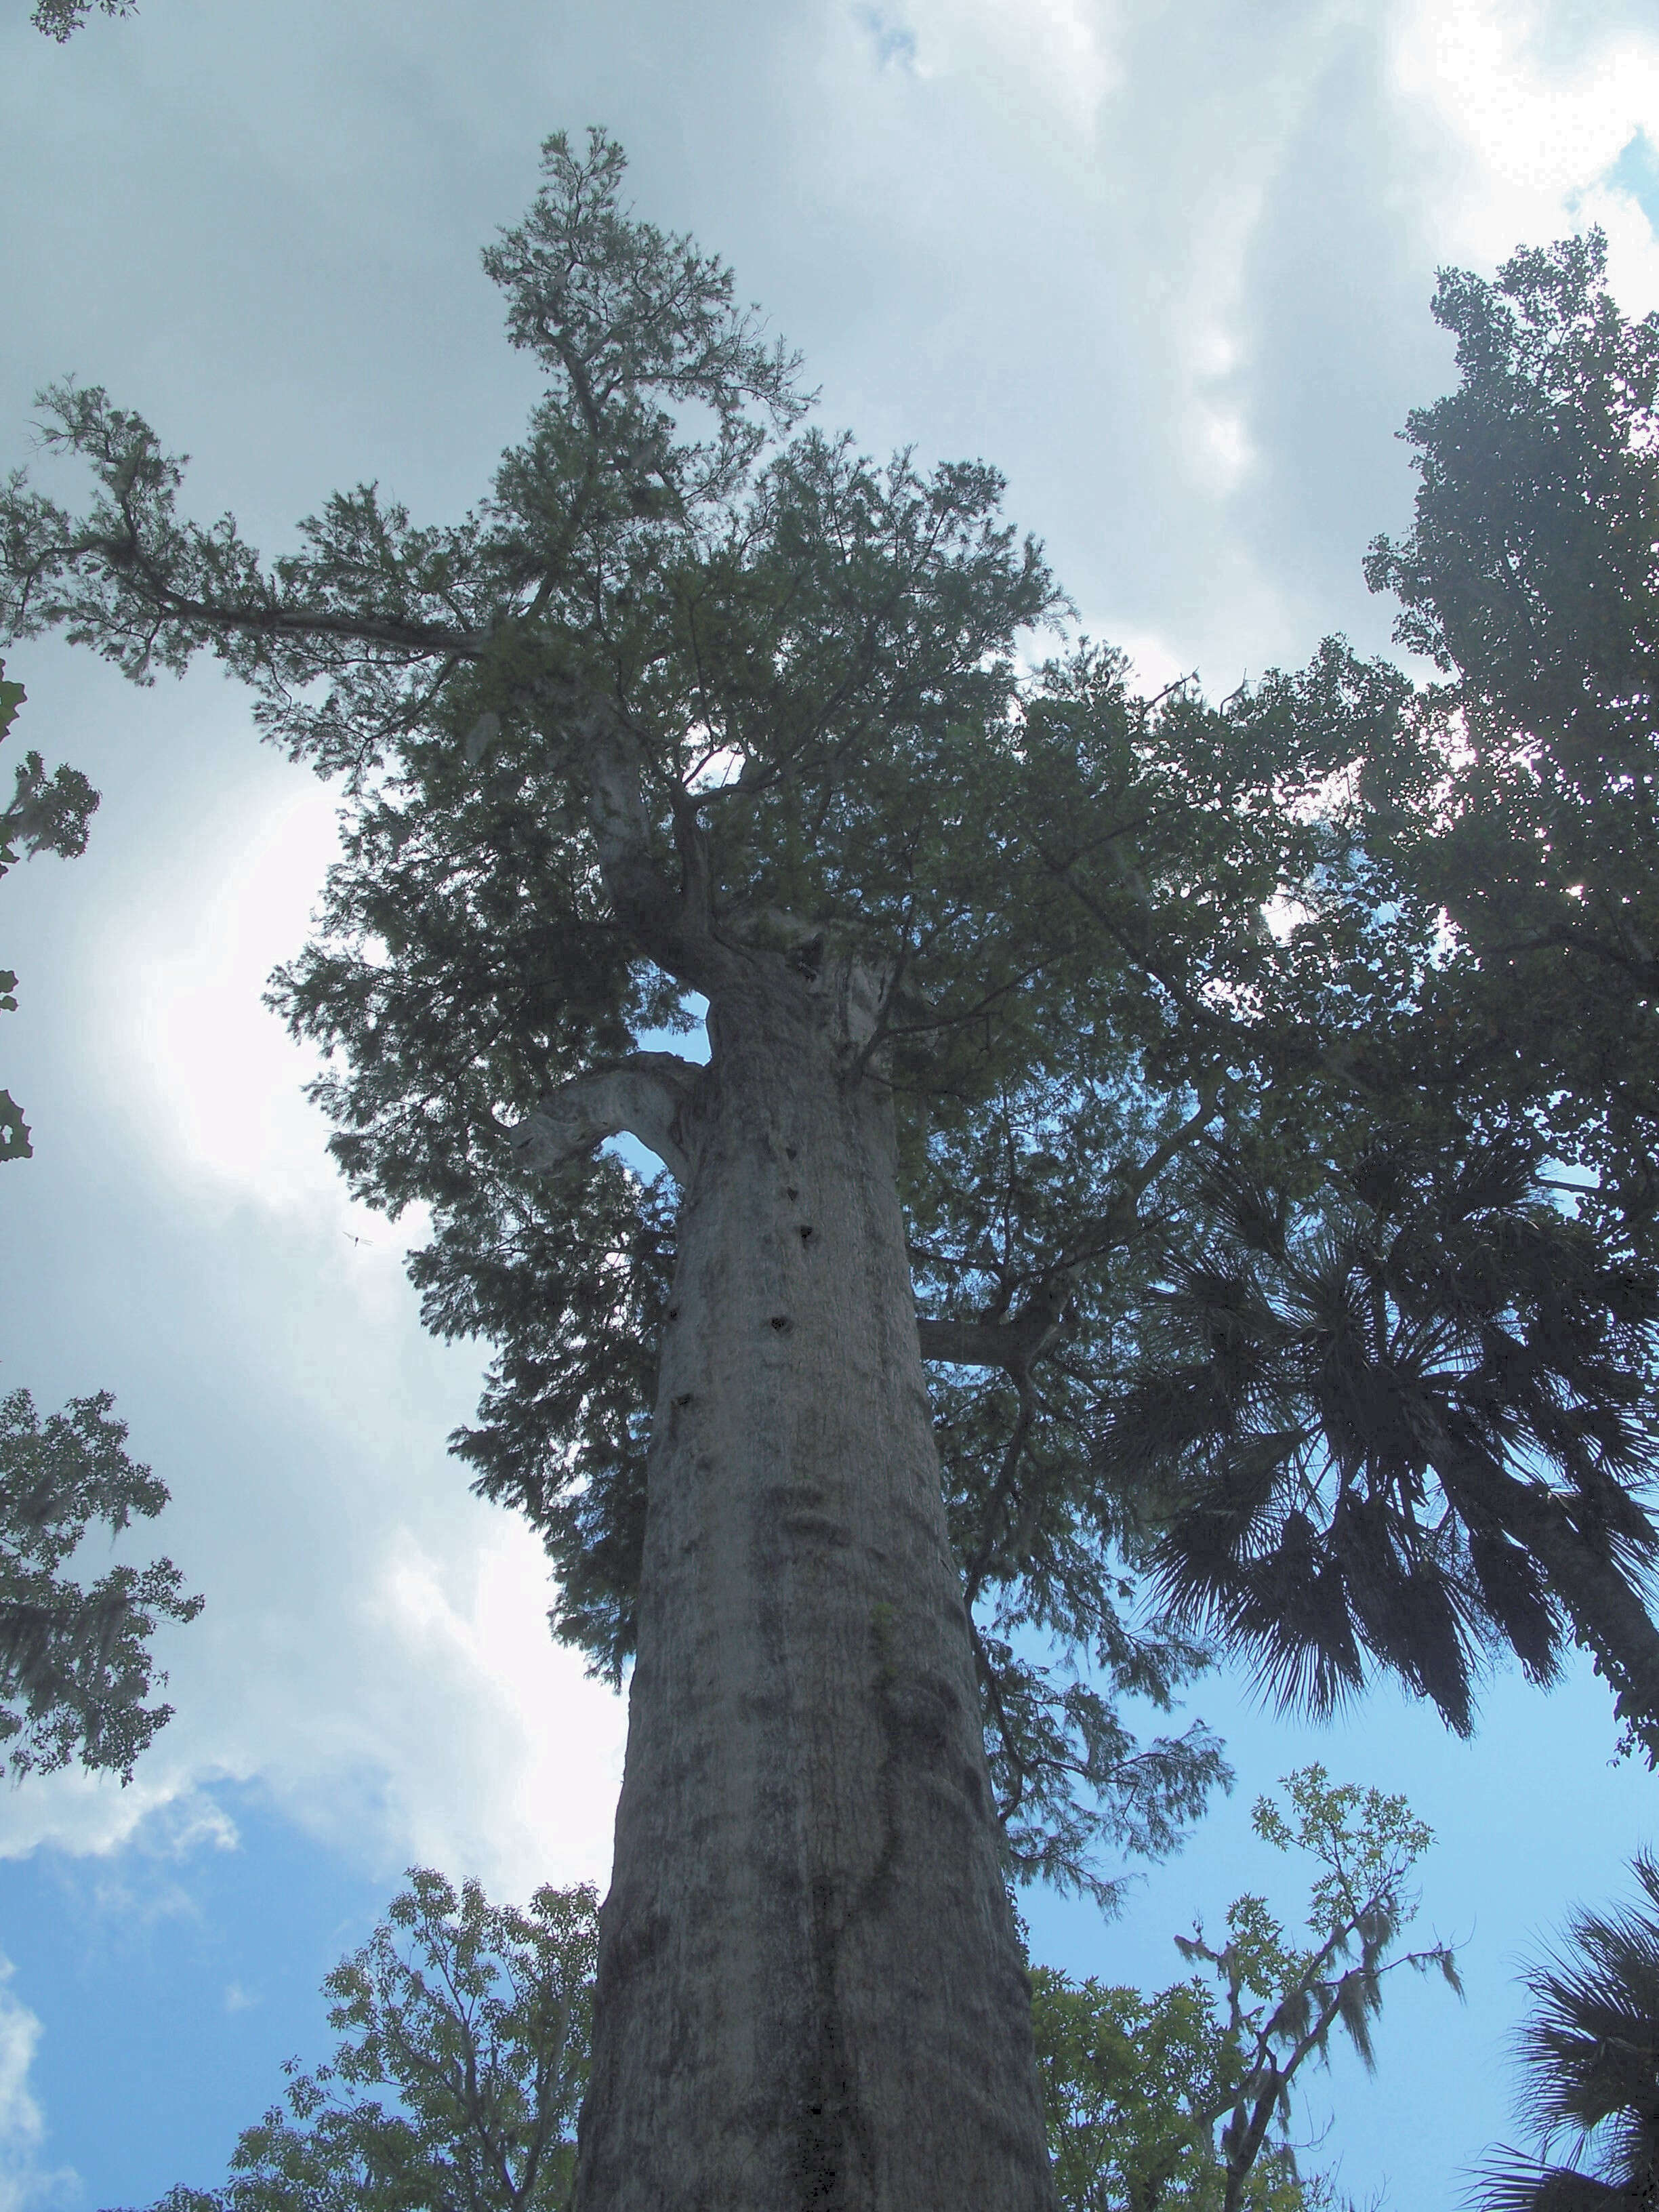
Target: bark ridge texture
x,y
807,1953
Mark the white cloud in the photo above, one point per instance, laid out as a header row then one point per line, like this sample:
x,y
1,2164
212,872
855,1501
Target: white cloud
x,y
1632,246
25,2184
211,1070
531,1803
1056,59
374,1652
1536,124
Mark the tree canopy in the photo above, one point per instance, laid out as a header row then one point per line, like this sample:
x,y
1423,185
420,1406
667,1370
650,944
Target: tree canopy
x,y
464,2046
61,19
1162,1074
44,814
1403,1398
1184,1061
1185,2097
1520,794
75,1666
464,2029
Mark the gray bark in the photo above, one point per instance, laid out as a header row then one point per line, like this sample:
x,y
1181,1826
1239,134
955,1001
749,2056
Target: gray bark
x,y
647,1095
810,1994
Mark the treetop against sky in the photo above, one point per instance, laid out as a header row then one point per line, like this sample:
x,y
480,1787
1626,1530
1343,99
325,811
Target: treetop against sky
x,y
1047,897
516,1449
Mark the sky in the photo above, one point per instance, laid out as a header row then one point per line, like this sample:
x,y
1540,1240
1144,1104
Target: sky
x,y
1168,267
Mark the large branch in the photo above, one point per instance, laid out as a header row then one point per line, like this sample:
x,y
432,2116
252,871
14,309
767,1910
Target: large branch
x,y
275,620
132,569
1011,1344
645,1097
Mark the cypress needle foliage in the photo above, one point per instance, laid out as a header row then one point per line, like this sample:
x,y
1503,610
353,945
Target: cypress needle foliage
x,y
44,814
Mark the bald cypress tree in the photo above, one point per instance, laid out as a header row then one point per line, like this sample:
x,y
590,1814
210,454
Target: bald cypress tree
x,y
701,708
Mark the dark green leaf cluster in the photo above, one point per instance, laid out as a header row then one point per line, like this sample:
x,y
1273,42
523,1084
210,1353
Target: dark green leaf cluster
x,y
477,2019
1522,794
75,1664
1589,2054
61,19
1406,1423
45,814
570,1288
469,962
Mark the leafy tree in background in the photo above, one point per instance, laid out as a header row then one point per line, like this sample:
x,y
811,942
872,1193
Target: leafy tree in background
x,y
1012,984
45,814
1521,793
1589,2055
1184,2098
477,2019
74,1662
1400,1405
61,19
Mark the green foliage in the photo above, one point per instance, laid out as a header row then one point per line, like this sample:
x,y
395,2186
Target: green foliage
x,y
61,19
1402,1407
476,2018
74,1669
44,815
1589,2054
1335,1399
1184,2098
1522,794
562,1428
1123,2075
75,1665
810,658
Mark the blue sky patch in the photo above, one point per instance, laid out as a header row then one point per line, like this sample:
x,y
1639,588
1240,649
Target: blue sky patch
x,y
1637,172
894,43
171,1981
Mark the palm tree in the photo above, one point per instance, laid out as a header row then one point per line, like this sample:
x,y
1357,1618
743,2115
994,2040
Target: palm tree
x,y
1408,1427
1590,2054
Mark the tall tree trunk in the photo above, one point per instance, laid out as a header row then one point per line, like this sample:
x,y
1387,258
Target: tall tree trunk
x,y
809,1994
